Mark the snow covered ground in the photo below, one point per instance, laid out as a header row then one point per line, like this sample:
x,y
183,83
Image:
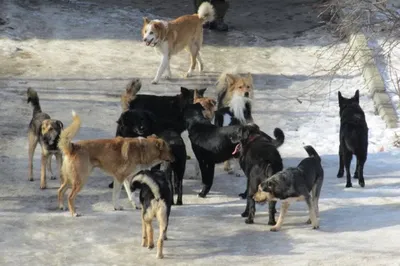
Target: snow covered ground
x,y
358,226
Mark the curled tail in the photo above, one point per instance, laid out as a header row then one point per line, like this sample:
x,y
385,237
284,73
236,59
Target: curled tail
x,y
130,93
67,134
312,153
279,137
143,178
206,12
33,98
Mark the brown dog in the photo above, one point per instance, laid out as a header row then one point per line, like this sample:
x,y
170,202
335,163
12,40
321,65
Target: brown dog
x,y
209,104
120,157
46,131
171,37
233,84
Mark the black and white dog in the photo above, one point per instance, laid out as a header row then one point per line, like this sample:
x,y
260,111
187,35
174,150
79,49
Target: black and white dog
x,y
303,182
259,158
211,144
155,200
142,123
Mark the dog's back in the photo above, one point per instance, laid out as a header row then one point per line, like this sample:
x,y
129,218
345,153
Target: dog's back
x,y
354,129
311,167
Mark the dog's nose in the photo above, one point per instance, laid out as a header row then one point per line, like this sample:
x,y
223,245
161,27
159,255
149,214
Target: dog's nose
x,y
141,127
246,94
144,39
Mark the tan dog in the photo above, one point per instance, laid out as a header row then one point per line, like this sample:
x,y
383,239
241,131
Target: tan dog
x,y
228,86
171,37
209,104
120,157
234,84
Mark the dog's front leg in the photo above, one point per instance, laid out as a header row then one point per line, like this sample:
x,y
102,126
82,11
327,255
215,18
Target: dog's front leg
x,y
251,209
207,173
282,214
43,172
164,64
272,211
116,193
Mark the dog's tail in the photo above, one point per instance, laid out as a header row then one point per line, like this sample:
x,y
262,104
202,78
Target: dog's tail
x,y
143,178
67,134
129,94
206,12
312,152
33,98
279,137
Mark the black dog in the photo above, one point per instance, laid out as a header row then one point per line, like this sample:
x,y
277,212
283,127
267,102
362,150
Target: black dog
x,y
303,182
353,138
142,123
257,153
47,132
155,200
168,109
211,144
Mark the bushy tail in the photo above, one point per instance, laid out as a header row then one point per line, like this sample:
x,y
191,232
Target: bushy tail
x,y
33,98
143,178
130,93
67,134
206,12
279,137
312,153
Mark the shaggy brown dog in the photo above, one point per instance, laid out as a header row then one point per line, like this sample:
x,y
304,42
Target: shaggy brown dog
x,y
46,131
120,157
209,104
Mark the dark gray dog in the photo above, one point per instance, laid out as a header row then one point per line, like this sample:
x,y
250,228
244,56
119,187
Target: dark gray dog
x,y
46,131
294,184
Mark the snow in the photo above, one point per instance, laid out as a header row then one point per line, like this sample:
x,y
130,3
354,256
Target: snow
x,y
357,225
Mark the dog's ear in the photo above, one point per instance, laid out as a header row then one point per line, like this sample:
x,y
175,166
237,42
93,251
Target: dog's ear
x,y
230,79
60,124
249,77
146,20
160,144
158,25
201,92
185,91
357,96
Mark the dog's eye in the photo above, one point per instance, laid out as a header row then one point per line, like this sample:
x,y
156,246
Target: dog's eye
x,y
151,32
248,87
240,87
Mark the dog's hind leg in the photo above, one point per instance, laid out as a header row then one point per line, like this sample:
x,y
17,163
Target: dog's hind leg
x,y
347,157
200,63
43,170
116,194
61,192
162,220
59,164
360,169
149,234
193,50
284,208
312,211
144,231
341,163
76,187
33,140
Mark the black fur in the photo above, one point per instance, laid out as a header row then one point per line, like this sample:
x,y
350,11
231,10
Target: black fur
x,y
221,112
211,144
353,138
142,123
166,108
257,154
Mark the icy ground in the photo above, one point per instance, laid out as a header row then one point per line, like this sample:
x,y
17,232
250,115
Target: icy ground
x,y
60,56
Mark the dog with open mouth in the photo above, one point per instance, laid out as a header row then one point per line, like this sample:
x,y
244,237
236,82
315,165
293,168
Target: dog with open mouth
x,y
171,37
303,182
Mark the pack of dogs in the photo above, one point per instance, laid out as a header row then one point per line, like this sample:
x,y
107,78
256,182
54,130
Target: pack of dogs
x,y
148,153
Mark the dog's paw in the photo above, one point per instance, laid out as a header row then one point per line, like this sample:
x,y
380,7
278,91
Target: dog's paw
x,y
160,256
167,77
178,202
308,221
62,208
243,195
165,237
349,185
237,174
53,177
187,74
30,179
245,214
118,208
361,182
315,226
340,174
42,186
111,185
154,81
151,246
249,221
274,229
76,214
272,222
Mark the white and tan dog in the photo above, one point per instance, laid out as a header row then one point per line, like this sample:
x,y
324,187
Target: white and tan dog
x,y
171,37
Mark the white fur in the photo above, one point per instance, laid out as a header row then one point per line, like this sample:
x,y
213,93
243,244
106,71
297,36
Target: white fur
x,y
227,120
164,65
206,11
237,107
144,179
